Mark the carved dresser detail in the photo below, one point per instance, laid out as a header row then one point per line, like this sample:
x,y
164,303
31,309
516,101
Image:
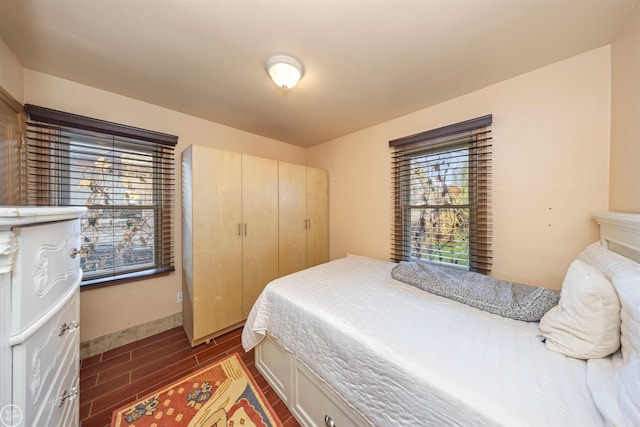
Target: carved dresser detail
x,y
39,315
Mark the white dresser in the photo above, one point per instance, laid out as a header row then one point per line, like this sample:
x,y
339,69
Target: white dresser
x,y
39,314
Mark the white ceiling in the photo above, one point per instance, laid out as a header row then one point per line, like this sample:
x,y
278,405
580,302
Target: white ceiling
x,y
366,61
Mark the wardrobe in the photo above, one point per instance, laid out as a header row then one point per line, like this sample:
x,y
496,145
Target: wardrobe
x,y
243,219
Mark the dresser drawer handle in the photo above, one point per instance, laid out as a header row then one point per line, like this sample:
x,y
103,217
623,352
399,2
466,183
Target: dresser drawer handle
x,y
82,252
68,395
70,327
328,421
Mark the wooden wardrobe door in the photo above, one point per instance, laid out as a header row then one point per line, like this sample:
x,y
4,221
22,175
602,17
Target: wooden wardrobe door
x,y
217,240
317,217
292,197
260,227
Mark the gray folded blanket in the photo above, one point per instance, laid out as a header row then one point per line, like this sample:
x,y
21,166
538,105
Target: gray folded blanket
x,y
507,299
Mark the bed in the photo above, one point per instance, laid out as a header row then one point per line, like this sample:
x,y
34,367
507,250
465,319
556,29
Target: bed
x,y
345,344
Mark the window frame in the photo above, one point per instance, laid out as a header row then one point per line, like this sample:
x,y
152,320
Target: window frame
x,y
475,134
116,139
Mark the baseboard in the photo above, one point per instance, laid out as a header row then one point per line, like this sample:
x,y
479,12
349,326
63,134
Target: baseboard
x,y
129,335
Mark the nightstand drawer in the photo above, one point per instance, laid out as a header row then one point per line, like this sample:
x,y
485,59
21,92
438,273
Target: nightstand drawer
x,y
45,270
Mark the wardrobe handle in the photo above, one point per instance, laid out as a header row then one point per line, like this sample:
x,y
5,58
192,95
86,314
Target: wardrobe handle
x,y
245,228
309,224
240,229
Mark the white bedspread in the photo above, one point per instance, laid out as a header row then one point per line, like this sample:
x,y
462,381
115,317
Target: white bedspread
x,y
402,356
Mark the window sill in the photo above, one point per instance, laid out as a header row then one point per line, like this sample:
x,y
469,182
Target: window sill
x,y
86,285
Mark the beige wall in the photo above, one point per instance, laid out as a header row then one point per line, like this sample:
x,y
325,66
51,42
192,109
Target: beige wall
x,y
110,309
551,168
625,118
10,73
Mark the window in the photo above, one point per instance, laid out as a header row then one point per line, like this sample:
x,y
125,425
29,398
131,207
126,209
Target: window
x,y
123,175
441,180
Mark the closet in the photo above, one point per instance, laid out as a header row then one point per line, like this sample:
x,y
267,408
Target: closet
x,y
232,238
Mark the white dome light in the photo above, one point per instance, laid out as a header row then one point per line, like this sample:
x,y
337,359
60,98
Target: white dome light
x,y
284,70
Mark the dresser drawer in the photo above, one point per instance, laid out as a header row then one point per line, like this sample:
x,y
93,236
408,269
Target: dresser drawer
x,y
43,359
62,405
44,270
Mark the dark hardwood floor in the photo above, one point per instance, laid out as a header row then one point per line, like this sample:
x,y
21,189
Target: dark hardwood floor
x,y
125,374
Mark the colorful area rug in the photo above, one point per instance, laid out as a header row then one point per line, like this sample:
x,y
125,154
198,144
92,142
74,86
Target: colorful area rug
x,y
222,394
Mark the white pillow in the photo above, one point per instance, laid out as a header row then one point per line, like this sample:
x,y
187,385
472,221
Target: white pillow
x,y
586,322
608,262
627,285
624,273
625,276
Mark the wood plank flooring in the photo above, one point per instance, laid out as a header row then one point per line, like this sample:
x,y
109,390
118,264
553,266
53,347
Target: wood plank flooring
x,y
125,374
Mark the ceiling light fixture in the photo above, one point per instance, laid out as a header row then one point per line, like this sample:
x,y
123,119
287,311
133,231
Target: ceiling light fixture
x,y
284,70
